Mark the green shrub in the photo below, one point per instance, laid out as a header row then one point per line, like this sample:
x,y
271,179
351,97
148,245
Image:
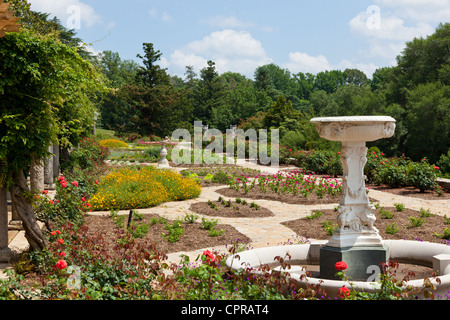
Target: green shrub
x,y
385,214
314,215
444,235
425,213
391,229
443,165
391,175
175,231
87,155
221,177
152,153
415,222
421,175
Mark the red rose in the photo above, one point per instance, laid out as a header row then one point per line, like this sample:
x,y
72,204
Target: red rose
x,y
61,264
340,265
96,181
61,241
53,233
62,254
44,191
343,292
75,183
58,232
209,256
83,199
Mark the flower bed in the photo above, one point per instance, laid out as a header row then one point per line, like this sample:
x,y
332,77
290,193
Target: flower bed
x,y
136,187
289,186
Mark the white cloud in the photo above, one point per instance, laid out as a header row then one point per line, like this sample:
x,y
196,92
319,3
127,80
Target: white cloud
x,y
389,24
419,10
73,14
227,22
303,62
387,27
367,68
231,50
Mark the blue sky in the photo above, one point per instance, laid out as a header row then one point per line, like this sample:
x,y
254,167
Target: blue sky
x,y
239,36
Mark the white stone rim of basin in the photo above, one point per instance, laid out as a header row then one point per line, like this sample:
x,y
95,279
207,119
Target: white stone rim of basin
x,y
407,251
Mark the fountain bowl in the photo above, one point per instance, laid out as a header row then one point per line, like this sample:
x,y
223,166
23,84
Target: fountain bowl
x,y
355,128
432,255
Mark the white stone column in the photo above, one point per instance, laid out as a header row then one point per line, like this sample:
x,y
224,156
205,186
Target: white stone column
x,y
37,176
55,161
48,169
5,252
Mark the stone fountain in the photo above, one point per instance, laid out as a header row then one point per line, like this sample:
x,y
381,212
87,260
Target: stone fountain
x,y
356,241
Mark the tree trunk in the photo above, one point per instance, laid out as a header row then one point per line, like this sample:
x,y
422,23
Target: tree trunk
x,y
20,198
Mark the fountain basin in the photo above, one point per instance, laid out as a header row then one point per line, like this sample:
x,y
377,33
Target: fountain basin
x,y
433,255
355,128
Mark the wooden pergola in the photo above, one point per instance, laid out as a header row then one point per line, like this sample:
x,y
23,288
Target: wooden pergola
x,y
8,23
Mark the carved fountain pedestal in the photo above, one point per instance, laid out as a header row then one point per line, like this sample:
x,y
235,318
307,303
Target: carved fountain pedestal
x,y
356,241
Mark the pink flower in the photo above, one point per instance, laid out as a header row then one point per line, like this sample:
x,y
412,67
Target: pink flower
x,y
75,183
436,168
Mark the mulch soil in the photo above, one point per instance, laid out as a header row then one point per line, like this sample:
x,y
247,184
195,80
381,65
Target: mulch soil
x,y
194,236
235,210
